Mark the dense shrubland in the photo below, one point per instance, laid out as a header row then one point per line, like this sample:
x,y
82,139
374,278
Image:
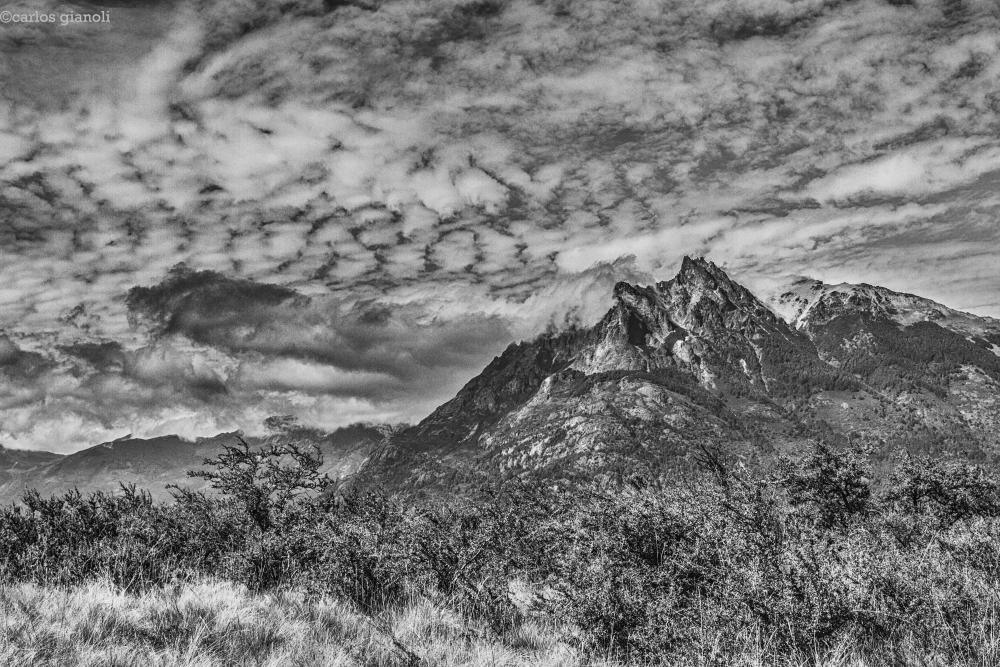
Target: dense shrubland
x,y
816,561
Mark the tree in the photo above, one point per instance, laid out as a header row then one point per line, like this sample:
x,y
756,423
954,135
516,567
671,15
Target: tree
x,y
265,481
835,485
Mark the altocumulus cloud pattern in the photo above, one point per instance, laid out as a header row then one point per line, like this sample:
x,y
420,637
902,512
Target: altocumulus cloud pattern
x,y
212,212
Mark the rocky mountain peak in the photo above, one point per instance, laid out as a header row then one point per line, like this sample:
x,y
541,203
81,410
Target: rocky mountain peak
x,y
806,304
698,275
703,298
678,322
702,272
700,359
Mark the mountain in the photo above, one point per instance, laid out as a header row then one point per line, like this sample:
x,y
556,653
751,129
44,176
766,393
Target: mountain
x,y
699,360
18,466
806,302
692,362
154,463
937,364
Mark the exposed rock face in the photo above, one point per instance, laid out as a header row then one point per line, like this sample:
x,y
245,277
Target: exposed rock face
x,y
701,321
699,360
694,361
806,304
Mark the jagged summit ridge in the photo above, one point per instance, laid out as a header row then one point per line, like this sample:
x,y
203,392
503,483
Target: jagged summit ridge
x,y
806,303
708,297
684,321
700,298
671,367
700,359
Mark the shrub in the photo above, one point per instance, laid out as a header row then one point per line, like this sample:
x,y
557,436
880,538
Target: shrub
x,y
832,486
629,571
948,492
263,483
469,552
359,551
731,564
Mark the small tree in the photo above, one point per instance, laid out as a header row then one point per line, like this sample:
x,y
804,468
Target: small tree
x,y
265,481
835,485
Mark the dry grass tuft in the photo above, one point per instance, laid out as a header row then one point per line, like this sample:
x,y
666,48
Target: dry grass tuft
x,y
215,624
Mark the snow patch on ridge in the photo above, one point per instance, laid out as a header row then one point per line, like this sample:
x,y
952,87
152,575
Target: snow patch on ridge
x,y
801,301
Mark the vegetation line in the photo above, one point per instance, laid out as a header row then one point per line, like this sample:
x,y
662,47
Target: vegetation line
x,y
819,562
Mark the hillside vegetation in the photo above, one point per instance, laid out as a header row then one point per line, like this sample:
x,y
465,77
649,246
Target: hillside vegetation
x,y
817,563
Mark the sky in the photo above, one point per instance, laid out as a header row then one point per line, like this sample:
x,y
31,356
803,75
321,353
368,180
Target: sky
x,y
214,211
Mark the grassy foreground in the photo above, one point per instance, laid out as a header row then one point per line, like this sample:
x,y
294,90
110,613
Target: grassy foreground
x,y
219,623
212,624
813,563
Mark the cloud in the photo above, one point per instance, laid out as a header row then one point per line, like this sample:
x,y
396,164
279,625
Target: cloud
x,y
18,364
914,172
164,365
372,202
243,317
294,374
657,251
199,303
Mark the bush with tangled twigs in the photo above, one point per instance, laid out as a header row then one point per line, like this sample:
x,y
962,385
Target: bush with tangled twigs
x,y
816,559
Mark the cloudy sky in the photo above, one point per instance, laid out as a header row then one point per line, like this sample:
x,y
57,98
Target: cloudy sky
x,y
219,210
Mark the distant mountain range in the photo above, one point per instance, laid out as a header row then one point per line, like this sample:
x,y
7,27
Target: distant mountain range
x,y
696,360
154,463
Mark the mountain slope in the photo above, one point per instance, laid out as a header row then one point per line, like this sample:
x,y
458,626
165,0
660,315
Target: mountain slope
x,y
699,360
940,365
695,361
805,303
18,467
152,464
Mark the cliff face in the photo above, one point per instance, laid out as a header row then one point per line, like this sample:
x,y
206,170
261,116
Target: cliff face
x,y
695,361
706,324
699,360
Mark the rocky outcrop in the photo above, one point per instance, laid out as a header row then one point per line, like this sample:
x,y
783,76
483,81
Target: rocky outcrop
x,y
700,360
806,304
694,361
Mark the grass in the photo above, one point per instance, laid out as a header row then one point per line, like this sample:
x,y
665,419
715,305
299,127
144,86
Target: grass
x,y
212,624
220,624
215,624
812,564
